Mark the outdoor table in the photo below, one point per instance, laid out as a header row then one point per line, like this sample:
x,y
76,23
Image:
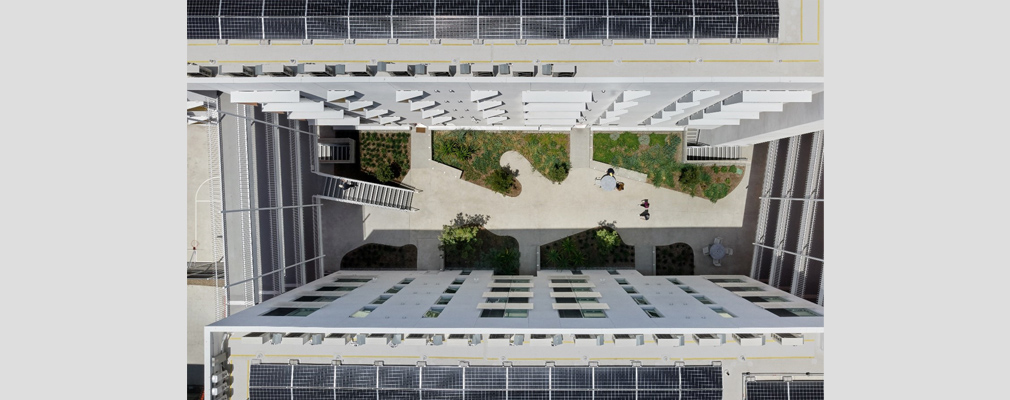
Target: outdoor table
x,y
608,183
716,251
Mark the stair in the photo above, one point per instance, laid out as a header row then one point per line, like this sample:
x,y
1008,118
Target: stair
x,y
691,136
366,193
698,153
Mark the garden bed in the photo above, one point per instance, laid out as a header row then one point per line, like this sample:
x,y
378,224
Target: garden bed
x,y
486,251
675,259
478,155
588,249
379,256
385,155
657,156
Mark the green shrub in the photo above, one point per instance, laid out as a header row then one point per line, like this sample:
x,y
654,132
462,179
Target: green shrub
x,y
608,240
717,191
705,177
728,181
723,169
558,172
690,175
501,180
732,168
384,173
505,261
458,239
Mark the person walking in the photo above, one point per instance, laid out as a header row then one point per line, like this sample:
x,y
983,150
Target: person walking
x,y
644,215
645,203
620,186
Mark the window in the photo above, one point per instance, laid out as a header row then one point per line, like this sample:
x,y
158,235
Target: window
x,y
433,312
744,289
629,289
577,272
640,300
793,312
317,299
451,289
622,281
704,300
406,281
613,272
515,289
336,288
674,281
504,313
765,299
722,312
394,289
563,300
568,280
352,280
568,289
381,299
511,280
290,312
443,300
458,281
362,313
726,280
581,314
506,300
652,313
687,289
465,272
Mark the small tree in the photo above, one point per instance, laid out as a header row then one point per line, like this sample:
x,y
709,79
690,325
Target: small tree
x,y
690,175
608,240
501,180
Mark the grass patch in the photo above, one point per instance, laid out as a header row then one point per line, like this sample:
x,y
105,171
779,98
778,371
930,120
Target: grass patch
x,y
659,161
385,155
478,154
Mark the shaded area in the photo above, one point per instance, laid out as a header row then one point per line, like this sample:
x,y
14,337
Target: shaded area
x,y
380,256
478,154
675,259
485,251
599,247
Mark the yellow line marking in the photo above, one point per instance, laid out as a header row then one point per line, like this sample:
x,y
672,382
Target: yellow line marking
x,y
688,341
345,356
712,44
609,341
459,358
628,44
657,61
328,44
671,44
799,44
626,358
777,358
371,44
801,60
514,61
541,44
413,44
709,358
202,44
543,359
737,60
585,44
456,44
754,44
286,44
810,340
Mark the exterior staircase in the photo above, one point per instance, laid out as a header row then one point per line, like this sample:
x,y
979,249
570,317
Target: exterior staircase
x,y
366,193
701,153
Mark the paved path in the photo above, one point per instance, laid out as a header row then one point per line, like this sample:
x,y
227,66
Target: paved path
x,y
581,147
546,211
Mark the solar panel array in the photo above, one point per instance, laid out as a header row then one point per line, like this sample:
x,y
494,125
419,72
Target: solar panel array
x,y
782,390
282,381
472,19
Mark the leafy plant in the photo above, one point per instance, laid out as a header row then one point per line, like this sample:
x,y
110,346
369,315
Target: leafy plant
x,y
717,191
558,172
384,173
461,239
690,175
608,240
554,258
732,168
501,180
505,261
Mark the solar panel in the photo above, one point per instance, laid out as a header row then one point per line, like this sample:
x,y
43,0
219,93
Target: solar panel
x,y
672,27
327,28
528,395
456,7
270,375
758,27
284,28
370,28
354,394
283,8
414,27
311,394
442,394
456,27
269,394
413,7
586,28
757,7
701,377
585,7
484,378
369,7
571,378
242,7
615,395
701,395
542,7
201,7
201,28
327,8
313,376
499,7
615,378
241,28
355,377
806,390
628,7
715,27
400,394
571,395
629,28
659,378
715,7
499,28
543,28
441,378
396,377
528,378
658,394
674,7
484,395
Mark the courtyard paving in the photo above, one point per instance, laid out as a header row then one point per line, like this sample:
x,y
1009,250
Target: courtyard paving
x,y
545,212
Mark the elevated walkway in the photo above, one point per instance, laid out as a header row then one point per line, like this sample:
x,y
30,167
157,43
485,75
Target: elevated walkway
x,y
365,193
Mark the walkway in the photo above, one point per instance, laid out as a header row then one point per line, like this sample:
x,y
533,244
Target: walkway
x,y
547,211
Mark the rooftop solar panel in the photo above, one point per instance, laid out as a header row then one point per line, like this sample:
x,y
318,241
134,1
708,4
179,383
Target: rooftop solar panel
x,y
543,28
284,28
311,394
413,27
715,7
672,27
571,395
242,28
500,7
399,394
758,7
442,378
758,27
543,7
629,28
355,377
628,7
586,28
442,394
715,27
269,394
456,7
585,7
659,378
369,7
313,376
414,7
571,378
701,378
614,378
201,28
327,28
243,8
498,28
370,28
528,395
354,394
396,377
283,8
701,395
485,378
806,390
270,375
658,395
329,8
456,27
674,7
528,378
202,7
485,395
615,395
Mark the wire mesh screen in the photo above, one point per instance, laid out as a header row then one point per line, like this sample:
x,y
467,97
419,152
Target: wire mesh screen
x,y
659,378
350,394
399,377
327,28
806,390
528,378
484,378
581,19
313,376
270,375
571,378
355,377
442,394
311,394
256,393
442,378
